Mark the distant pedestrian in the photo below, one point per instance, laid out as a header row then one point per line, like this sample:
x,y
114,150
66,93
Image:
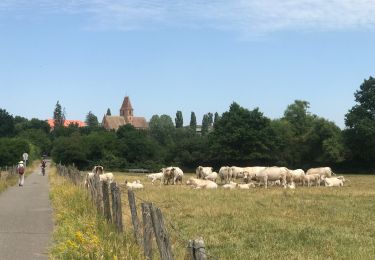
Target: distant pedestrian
x,y
21,173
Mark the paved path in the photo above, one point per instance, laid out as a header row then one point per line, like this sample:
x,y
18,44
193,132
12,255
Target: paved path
x,y
26,220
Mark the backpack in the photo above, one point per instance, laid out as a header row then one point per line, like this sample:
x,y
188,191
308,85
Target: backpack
x,y
21,170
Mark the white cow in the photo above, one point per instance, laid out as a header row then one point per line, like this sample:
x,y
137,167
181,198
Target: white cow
x,y
334,182
297,176
108,177
246,186
155,176
230,186
202,172
312,178
225,174
201,184
237,172
251,172
273,174
134,185
322,171
212,176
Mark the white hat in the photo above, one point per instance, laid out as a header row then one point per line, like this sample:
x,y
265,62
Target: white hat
x,y
21,162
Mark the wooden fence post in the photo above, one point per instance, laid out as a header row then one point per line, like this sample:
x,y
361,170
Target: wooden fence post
x,y
190,251
147,230
161,235
106,204
116,207
199,249
99,194
135,221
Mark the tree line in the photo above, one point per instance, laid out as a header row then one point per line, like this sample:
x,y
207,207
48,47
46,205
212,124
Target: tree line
x,y
299,139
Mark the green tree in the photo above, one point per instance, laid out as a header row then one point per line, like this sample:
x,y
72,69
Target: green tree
x,y
205,124
193,122
108,112
6,124
360,122
210,119
241,136
216,118
162,129
179,120
58,116
91,120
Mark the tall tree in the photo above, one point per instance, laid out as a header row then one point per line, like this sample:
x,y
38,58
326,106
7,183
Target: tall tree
x,y
179,120
216,118
360,122
193,122
91,120
58,115
210,119
6,123
108,112
205,124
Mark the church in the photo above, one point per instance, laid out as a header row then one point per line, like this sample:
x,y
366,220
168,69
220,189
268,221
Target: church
x,y
126,117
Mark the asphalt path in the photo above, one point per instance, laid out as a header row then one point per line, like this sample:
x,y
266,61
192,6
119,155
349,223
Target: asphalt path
x,y
26,219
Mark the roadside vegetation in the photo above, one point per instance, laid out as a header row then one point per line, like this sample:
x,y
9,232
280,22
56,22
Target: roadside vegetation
x,y
79,232
306,223
12,180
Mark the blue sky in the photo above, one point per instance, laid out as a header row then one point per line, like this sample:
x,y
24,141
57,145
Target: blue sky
x,y
183,55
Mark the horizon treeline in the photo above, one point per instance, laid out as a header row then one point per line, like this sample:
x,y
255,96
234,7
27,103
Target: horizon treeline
x,y
240,137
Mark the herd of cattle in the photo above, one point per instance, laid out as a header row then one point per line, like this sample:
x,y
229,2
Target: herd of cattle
x,y
230,177
206,178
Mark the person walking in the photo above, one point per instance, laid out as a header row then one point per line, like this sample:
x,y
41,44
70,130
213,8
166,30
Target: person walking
x,y
21,173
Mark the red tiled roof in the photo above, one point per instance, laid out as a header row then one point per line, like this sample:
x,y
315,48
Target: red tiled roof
x,y
51,123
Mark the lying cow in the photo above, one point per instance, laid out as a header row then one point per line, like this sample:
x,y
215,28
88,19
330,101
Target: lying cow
x,y
134,185
334,182
212,176
201,184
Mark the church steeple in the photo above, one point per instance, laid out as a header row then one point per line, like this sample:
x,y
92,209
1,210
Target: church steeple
x,y
126,110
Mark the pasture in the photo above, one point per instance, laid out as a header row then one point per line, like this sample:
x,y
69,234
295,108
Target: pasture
x,y
306,223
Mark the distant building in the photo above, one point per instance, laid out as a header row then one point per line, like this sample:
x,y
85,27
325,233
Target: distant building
x,y
51,123
126,117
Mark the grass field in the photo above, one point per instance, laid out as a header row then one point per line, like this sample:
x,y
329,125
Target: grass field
x,y
306,223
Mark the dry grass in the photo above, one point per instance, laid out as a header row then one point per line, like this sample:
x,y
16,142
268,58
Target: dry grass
x,y
306,223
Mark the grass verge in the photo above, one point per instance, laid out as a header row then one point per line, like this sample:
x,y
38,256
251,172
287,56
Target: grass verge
x,y
79,232
12,180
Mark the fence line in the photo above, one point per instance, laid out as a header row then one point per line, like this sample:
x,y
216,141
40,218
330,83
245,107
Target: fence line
x,y
107,200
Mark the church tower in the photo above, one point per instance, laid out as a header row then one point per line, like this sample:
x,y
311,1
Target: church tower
x,y
126,110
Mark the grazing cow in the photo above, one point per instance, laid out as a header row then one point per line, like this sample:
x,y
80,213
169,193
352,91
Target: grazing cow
x,y
201,184
202,172
309,179
297,176
225,174
177,175
212,176
237,172
322,171
155,176
167,175
251,172
273,174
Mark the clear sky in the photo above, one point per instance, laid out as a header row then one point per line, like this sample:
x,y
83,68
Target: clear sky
x,y
183,55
